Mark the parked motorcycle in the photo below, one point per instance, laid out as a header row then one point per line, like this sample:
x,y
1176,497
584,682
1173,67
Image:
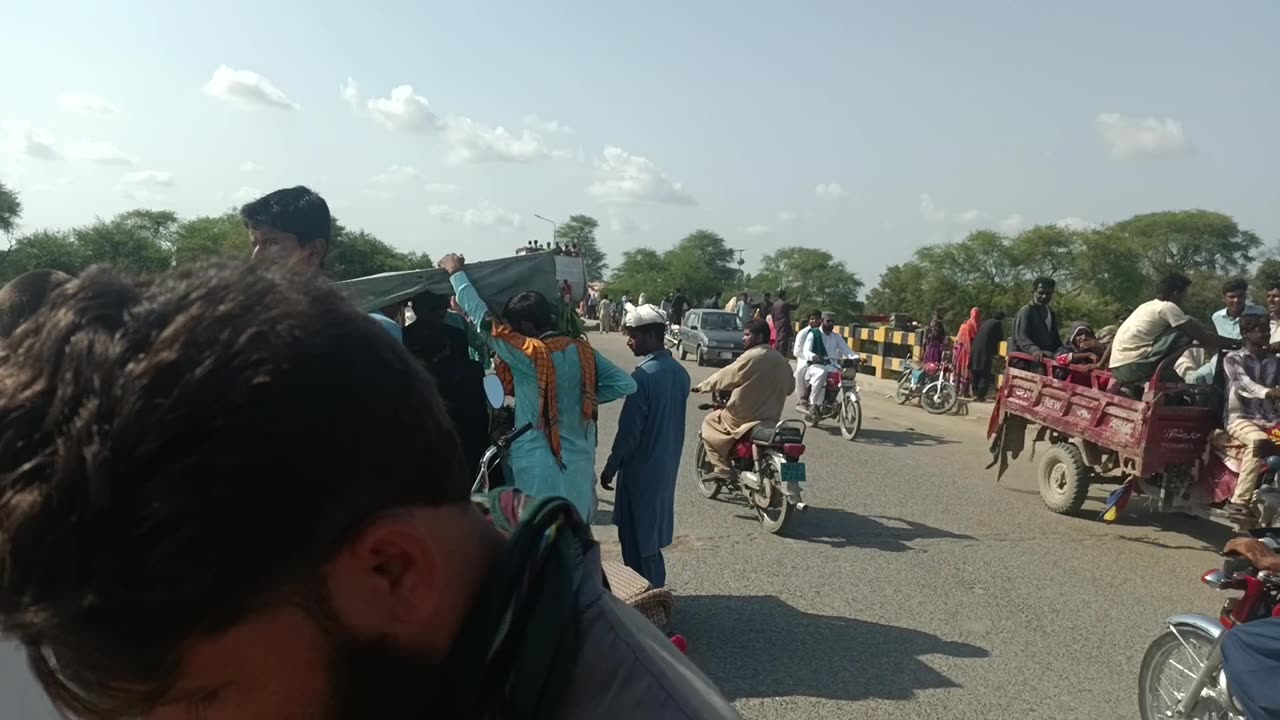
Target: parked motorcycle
x,y
765,468
842,400
672,339
1181,674
936,386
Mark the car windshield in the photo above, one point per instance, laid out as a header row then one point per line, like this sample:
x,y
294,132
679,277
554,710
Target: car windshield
x,y
721,321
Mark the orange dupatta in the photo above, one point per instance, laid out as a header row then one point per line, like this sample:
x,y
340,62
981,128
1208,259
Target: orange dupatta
x,y
539,353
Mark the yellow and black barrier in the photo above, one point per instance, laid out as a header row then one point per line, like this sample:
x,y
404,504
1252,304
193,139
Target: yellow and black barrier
x,y
883,349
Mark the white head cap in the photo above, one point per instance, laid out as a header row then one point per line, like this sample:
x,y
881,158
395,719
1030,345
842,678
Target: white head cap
x,y
640,315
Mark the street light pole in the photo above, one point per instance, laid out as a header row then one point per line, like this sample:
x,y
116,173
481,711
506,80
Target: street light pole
x,y
555,228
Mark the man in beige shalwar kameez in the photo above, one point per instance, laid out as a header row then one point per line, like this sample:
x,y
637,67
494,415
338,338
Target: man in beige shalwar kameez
x,y
760,381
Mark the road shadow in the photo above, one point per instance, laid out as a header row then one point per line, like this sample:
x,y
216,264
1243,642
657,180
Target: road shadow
x,y
1205,534
893,438
838,528
758,646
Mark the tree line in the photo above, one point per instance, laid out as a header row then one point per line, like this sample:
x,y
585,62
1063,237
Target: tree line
x,y
1102,272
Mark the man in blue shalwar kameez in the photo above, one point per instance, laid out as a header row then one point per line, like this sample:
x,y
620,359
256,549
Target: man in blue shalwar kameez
x,y
646,450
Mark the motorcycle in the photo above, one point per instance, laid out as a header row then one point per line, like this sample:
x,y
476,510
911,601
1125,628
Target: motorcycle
x,y
935,386
1181,674
672,339
842,400
765,468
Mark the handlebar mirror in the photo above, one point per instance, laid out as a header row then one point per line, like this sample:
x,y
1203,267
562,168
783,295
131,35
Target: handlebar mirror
x,y
493,391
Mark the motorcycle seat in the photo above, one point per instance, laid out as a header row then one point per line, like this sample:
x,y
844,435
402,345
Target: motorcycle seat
x,y
763,434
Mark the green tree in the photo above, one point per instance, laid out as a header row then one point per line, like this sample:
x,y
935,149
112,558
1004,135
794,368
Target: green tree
x,y
702,264
43,249
126,242
1266,277
642,270
356,253
208,237
580,230
10,209
811,277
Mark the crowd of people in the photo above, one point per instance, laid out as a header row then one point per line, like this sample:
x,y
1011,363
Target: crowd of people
x,y
226,492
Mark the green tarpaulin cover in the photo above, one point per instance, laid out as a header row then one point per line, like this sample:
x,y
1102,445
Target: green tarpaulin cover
x,y
496,280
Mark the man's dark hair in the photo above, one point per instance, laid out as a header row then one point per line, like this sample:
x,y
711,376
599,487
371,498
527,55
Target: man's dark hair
x,y
782,294
180,452
22,296
653,331
1235,285
759,328
1171,285
998,315
298,211
1047,283
815,313
1253,321
680,290
531,307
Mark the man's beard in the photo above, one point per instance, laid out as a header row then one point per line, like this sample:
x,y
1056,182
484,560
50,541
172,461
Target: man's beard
x,y
374,680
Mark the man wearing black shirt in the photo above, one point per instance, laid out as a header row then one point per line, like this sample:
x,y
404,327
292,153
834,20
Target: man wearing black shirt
x,y
679,304
1035,328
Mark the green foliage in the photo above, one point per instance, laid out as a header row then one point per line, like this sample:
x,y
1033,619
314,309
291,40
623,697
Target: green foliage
x,y
10,209
701,263
812,279
1101,273
580,230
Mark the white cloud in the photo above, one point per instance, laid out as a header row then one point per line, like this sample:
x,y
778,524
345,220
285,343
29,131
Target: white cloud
x,y
484,215
1076,223
830,191
474,142
246,193
786,216
621,224
756,229
970,217
403,110
547,126
22,139
247,89
149,178
1133,137
438,187
86,104
101,153
624,179
929,211
1012,224
397,175
250,166
350,93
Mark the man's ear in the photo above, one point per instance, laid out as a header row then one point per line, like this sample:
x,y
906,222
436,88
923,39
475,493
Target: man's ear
x,y
317,251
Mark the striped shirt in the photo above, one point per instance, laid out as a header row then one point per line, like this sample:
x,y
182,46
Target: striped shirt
x,y
1249,377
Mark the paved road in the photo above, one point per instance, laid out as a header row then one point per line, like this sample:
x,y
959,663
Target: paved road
x,y
915,586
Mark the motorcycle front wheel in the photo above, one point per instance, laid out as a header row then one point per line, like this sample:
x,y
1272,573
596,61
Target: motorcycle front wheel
x,y
940,398
702,468
1168,670
850,417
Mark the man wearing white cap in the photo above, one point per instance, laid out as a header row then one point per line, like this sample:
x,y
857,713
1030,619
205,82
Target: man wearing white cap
x,y
646,451
823,348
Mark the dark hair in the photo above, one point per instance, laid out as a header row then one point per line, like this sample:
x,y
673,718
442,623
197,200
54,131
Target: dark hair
x,y
22,296
176,453
1253,321
815,313
998,315
1047,283
1171,285
655,331
531,307
759,328
1235,285
782,294
298,211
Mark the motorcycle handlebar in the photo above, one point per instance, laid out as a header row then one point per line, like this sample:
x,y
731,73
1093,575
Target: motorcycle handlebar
x,y
506,440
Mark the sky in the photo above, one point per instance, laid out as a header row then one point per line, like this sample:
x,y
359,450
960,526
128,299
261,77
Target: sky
x,y
866,129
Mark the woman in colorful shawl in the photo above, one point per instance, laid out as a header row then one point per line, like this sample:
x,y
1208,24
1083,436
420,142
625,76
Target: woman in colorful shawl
x,y
964,347
557,382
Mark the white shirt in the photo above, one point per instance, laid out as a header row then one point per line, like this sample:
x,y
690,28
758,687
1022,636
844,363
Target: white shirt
x,y
1138,333
834,344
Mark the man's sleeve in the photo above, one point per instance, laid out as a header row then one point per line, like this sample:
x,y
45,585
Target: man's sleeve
x,y
727,378
1021,338
611,382
631,423
478,314
1238,380
1173,315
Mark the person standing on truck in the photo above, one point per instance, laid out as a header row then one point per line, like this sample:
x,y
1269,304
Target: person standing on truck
x,y
1235,295
679,304
1155,330
1035,327
1252,375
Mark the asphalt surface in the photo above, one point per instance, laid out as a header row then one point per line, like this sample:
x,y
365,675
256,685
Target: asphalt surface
x,y
914,586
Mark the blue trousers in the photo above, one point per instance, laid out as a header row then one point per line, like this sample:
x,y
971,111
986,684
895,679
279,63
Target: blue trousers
x,y
651,567
1251,659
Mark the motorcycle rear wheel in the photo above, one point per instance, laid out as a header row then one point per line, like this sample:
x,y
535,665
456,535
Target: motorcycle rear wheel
x,y
850,417
773,518
904,388
710,489
1169,659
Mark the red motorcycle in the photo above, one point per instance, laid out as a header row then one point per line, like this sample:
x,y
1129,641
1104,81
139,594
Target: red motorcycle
x,y
1181,675
934,383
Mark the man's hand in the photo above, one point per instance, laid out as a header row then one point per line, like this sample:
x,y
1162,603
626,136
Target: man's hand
x,y
1273,394
606,479
452,263
1038,355
1257,553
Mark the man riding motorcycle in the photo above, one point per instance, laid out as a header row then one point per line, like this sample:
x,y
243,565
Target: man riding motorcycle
x,y
1251,651
760,381
822,349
